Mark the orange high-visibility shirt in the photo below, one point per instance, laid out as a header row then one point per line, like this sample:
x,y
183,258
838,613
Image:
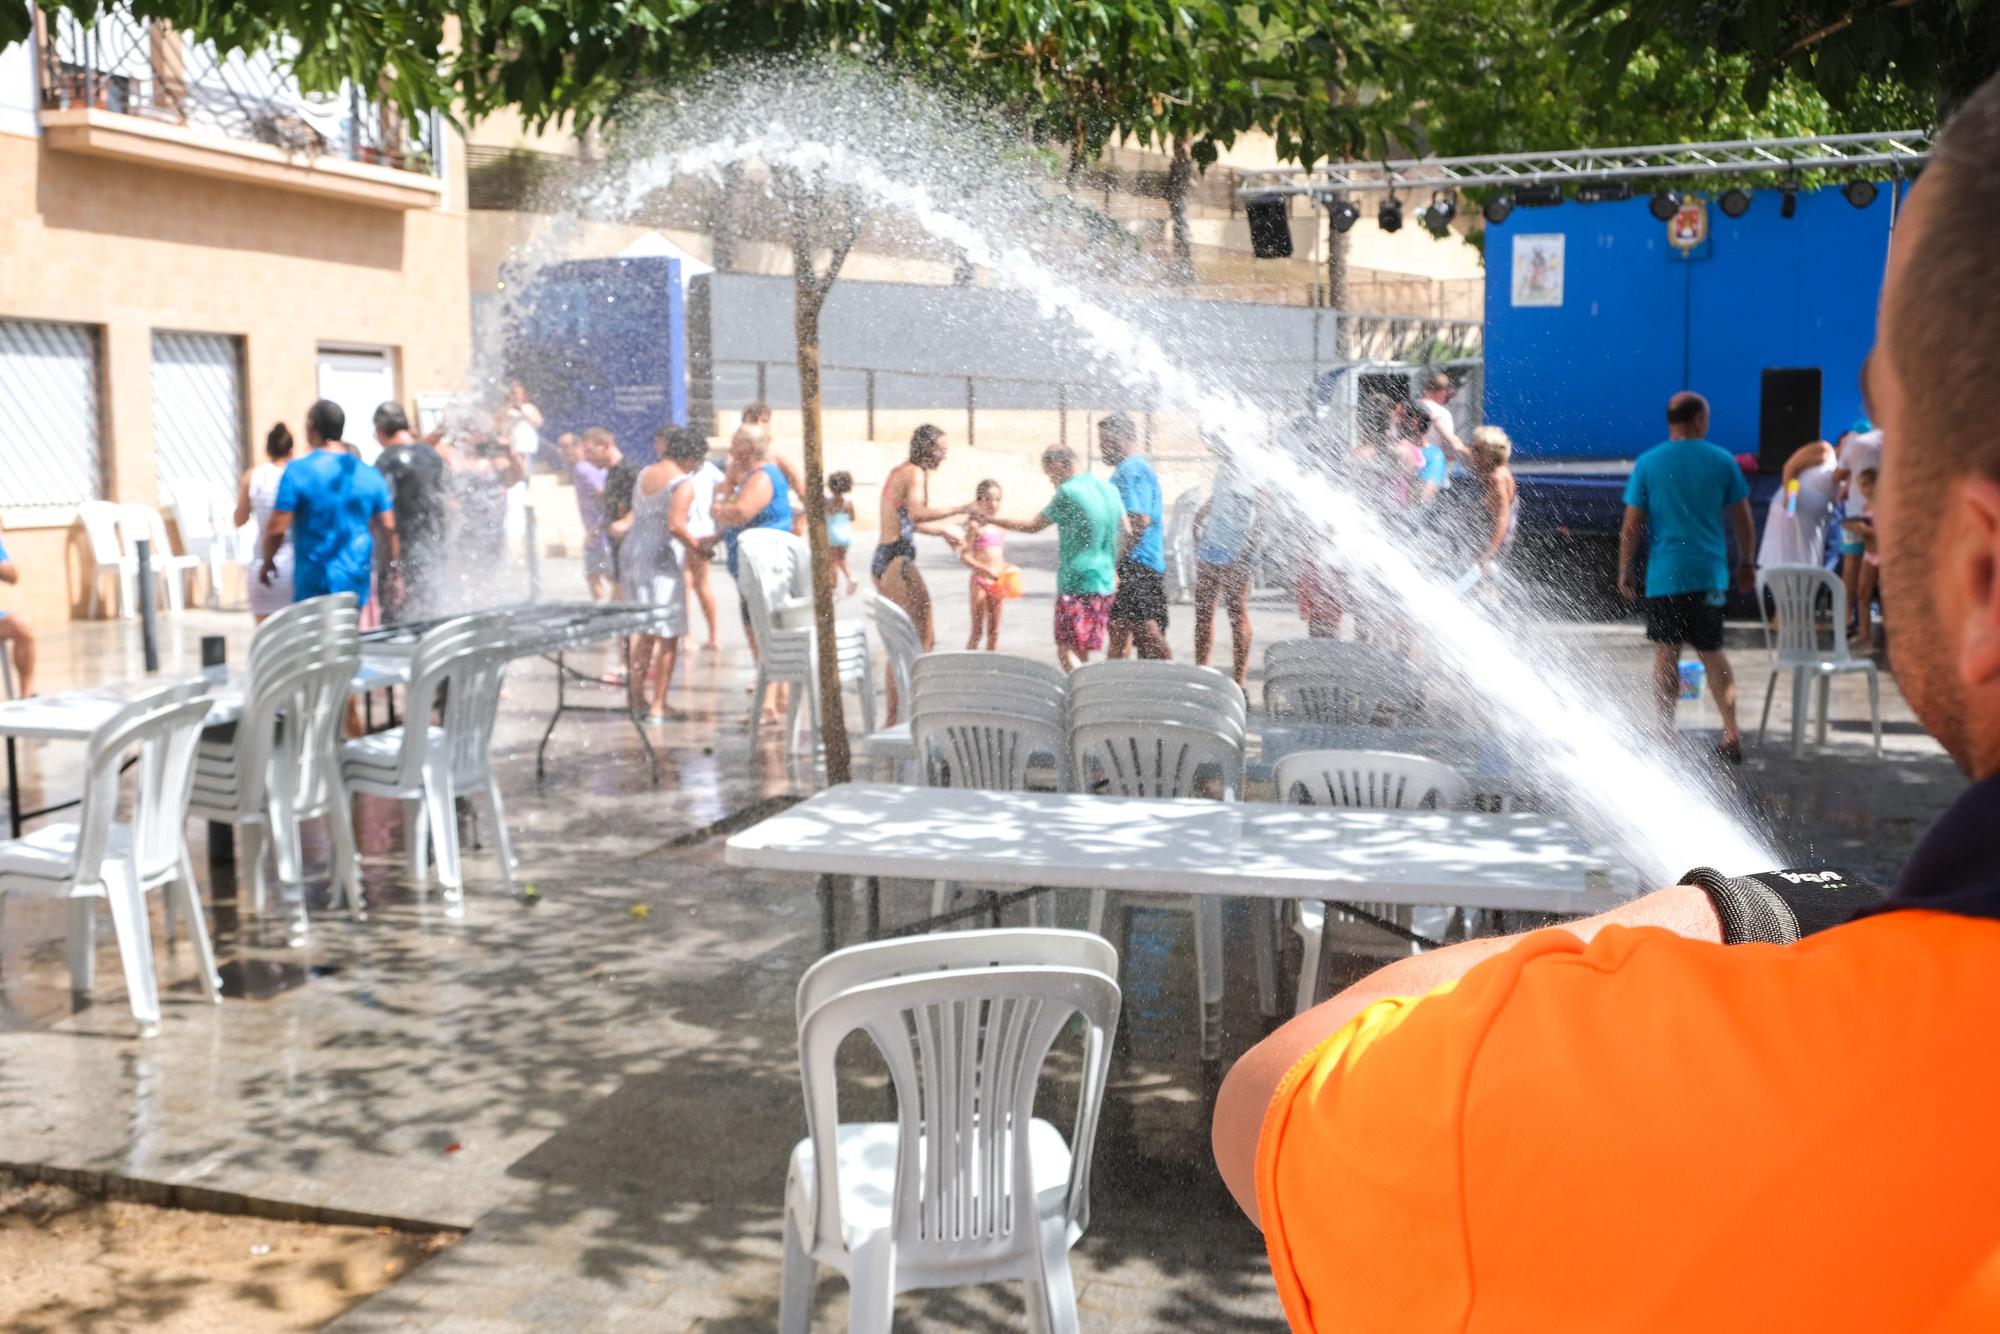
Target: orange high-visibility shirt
x,y
1653,1133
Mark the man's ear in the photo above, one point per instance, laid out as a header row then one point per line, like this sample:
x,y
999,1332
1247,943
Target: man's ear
x,y
1972,560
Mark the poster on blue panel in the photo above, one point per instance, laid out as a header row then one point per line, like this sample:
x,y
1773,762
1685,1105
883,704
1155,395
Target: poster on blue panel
x,y
1538,269
601,343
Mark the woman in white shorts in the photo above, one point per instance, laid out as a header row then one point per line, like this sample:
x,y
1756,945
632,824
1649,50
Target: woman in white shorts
x,y
652,564
255,498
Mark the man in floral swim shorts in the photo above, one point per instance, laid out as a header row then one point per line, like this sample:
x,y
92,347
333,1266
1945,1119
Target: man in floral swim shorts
x,y
1090,525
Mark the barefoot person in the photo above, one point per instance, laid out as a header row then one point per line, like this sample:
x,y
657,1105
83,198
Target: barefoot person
x,y
1430,1148
701,523
1679,495
1139,610
840,525
1224,533
256,497
906,511
17,632
1492,451
652,565
753,494
993,580
1091,530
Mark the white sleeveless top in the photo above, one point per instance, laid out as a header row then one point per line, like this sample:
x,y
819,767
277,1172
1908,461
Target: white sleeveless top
x,y
275,596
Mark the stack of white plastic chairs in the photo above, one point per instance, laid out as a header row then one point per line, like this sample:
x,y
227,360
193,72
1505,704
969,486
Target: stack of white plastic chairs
x,y
774,571
456,670
1166,729
279,764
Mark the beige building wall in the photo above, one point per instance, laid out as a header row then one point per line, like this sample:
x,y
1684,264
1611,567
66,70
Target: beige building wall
x,y
131,248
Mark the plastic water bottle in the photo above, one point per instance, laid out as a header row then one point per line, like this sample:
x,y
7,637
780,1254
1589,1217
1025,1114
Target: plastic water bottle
x,y
1694,675
1792,496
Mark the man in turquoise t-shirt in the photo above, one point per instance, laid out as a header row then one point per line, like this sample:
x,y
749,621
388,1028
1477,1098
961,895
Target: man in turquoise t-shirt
x,y
1139,609
1090,525
329,502
1679,494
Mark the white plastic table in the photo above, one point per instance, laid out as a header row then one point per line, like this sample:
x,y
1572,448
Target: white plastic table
x,y
75,715
1466,859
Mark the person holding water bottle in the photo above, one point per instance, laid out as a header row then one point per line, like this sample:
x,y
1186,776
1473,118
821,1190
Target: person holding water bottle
x,y
1679,495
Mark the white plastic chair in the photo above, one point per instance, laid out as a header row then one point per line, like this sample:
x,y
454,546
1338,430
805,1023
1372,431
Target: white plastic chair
x,y
1362,780
1149,757
95,858
1796,590
171,568
426,766
774,570
205,532
967,1185
279,763
1334,682
100,520
901,647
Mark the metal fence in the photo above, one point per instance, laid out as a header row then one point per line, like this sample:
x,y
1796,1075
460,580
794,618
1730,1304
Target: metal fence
x,y
138,67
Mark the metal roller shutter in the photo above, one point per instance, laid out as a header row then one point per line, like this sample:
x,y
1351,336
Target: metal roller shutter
x,y
197,411
51,421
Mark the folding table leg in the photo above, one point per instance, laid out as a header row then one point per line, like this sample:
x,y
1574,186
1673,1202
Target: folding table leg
x,y
826,932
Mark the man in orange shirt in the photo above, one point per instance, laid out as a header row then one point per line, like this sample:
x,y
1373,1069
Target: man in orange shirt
x,y
1733,1104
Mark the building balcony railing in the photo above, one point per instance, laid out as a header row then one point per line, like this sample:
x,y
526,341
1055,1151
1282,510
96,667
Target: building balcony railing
x,y
128,66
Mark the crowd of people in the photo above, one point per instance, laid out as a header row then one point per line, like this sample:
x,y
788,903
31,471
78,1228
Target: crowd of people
x,y
1111,592
381,517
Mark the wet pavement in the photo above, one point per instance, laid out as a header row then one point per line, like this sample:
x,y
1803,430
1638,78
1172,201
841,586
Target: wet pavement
x,y
601,1083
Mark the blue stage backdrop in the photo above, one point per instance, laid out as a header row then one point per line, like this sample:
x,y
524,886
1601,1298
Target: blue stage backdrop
x,y
1580,362
603,342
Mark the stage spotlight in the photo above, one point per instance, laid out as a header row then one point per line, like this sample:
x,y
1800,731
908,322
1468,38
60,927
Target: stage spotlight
x,y
1437,218
1734,203
1665,204
1390,216
1788,206
1545,195
1859,193
1498,208
1270,229
1343,215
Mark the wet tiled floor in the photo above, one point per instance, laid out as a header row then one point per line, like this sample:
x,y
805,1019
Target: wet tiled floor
x,y
602,1085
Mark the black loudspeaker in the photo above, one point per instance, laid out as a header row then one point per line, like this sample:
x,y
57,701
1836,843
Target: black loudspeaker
x,y
1789,417
1270,232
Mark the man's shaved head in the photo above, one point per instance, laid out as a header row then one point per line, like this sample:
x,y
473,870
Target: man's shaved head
x,y
1929,383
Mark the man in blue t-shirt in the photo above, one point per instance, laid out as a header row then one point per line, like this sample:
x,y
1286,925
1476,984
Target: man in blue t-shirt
x,y
1139,611
328,502
1679,494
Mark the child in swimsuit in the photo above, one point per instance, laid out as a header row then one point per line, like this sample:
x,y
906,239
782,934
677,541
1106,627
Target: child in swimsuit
x,y
840,523
985,554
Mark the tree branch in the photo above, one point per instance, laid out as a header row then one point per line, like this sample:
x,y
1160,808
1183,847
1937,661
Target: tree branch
x,y
1818,35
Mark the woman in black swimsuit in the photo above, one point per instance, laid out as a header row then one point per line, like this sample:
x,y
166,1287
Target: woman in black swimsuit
x,y
906,511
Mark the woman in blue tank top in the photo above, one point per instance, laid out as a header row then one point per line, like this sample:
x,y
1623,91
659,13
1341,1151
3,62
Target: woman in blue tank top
x,y
755,494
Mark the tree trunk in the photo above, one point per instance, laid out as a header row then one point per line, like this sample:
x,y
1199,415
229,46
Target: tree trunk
x,y
807,296
723,238
1180,180
1336,282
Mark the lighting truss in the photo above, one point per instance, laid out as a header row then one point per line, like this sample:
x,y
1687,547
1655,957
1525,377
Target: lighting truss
x,y
1898,150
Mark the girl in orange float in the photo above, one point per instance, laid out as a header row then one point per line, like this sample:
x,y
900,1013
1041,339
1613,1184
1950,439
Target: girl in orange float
x,y
993,579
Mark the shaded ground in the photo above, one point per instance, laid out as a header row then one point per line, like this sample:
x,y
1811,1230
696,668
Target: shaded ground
x,y
74,1262
609,1098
